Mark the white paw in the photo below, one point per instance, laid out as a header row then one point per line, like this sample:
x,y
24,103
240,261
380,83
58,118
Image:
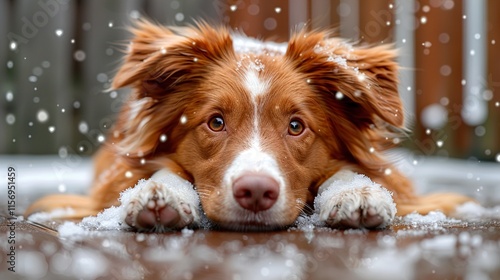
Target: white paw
x,y
162,205
354,201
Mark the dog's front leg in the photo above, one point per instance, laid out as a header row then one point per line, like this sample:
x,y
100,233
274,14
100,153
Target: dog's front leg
x,y
164,202
352,200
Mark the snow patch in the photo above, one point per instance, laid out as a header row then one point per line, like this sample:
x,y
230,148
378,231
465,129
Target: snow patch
x,y
40,217
431,218
472,211
243,44
113,218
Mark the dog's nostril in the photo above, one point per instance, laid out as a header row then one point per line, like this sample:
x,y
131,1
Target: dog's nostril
x,y
255,192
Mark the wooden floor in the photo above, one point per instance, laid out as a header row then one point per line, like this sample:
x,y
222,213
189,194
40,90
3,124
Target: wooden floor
x,y
447,249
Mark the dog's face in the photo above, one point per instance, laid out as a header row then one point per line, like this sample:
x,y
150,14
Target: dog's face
x,y
256,132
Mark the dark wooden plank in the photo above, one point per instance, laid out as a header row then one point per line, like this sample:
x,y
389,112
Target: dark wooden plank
x,y
438,63
491,145
406,251
376,21
268,19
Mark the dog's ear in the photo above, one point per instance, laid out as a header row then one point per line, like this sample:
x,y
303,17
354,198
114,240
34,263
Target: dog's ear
x,y
165,55
159,62
362,79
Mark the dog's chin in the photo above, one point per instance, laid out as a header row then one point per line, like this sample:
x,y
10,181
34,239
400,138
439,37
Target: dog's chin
x,y
249,226
250,222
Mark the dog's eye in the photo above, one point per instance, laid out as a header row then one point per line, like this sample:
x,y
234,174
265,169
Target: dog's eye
x,y
295,128
216,123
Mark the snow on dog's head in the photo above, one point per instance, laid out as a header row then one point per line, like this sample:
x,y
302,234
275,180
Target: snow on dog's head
x,y
256,126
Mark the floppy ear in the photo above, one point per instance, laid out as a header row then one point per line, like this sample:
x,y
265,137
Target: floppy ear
x,y
160,54
158,62
363,78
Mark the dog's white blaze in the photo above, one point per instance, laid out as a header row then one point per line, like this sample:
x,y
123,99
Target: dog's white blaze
x,y
254,159
254,84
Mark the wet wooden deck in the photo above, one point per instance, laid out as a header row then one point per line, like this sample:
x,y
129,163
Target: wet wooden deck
x,y
408,250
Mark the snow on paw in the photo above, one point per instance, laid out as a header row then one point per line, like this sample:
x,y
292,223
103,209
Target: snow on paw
x,y
156,207
355,202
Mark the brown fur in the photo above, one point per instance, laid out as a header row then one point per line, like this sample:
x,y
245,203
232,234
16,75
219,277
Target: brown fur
x,y
197,76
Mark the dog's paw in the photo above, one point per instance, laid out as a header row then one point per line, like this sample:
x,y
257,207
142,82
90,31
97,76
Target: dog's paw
x,y
160,207
355,203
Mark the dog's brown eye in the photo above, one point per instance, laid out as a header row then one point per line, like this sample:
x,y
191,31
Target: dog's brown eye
x,y
216,123
295,128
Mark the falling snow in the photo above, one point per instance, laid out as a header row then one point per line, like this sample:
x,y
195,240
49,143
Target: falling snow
x,y
42,116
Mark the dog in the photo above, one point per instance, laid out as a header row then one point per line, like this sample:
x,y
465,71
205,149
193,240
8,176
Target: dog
x,y
253,134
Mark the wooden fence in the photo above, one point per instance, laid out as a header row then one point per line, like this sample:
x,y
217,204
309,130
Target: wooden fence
x,y
57,56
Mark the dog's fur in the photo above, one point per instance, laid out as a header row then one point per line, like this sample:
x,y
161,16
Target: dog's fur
x,y
206,112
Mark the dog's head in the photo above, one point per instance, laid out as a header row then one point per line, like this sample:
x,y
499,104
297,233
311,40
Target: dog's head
x,y
256,128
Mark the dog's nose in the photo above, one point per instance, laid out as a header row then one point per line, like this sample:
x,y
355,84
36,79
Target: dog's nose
x,y
256,192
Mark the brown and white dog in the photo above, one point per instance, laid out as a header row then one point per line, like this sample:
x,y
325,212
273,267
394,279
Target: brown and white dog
x,y
259,129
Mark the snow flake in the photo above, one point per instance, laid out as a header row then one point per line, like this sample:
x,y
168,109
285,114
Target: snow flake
x,y
79,55
480,130
83,127
434,116
10,119
59,32
42,116
102,77
13,45
134,14
179,17
9,96
339,60
445,70
163,138
101,138
233,8
253,9
444,101
440,143
277,10
63,152
52,129
423,20
270,23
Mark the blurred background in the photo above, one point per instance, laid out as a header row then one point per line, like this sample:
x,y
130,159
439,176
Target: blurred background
x,y
58,56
